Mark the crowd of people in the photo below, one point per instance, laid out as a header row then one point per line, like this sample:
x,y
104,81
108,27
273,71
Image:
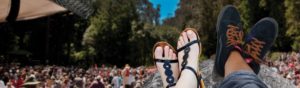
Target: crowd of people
x,y
288,66
15,76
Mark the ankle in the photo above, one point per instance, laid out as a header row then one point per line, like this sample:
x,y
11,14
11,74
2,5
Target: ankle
x,y
235,63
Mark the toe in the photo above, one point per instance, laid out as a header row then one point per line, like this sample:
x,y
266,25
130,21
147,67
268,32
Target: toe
x,y
179,44
191,35
158,52
185,38
166,51
181,41
170,54
174,56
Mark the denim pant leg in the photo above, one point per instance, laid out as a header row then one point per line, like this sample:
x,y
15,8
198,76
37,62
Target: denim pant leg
x,y
242,79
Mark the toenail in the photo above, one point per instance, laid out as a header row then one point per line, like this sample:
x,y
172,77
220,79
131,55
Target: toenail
x,y
189,32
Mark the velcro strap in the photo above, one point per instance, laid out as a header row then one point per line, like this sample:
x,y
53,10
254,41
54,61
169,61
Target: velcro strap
x,y
162,61
14,11
188,45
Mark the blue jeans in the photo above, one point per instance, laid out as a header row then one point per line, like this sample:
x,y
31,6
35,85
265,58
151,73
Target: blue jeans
x,y
242,79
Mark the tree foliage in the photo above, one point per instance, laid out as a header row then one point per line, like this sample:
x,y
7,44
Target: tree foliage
x,y
124,31
202,15
254,10
293,21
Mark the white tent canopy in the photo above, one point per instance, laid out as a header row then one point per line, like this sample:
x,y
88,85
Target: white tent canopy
x,y
30,9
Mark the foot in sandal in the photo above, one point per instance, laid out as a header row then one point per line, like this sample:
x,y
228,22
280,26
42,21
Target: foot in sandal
x,y
167,63
189,50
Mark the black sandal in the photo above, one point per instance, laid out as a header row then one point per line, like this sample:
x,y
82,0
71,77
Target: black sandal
x,y
167,64
186,49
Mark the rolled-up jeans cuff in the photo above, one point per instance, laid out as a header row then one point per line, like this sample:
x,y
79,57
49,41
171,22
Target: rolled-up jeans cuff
x,y
242,79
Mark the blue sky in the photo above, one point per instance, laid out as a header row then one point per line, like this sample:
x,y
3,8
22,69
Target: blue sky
x,y
167,7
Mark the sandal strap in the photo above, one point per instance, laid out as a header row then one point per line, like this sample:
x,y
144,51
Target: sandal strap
x,y
170,85
168,72
195,73
14,11
163,61
188,45
186,49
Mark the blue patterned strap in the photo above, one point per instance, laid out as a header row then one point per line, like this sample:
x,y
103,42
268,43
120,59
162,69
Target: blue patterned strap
x,y
168,72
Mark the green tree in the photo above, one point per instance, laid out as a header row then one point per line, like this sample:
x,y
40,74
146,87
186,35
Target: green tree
x,y
254,10
118,32
293,21
201,15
